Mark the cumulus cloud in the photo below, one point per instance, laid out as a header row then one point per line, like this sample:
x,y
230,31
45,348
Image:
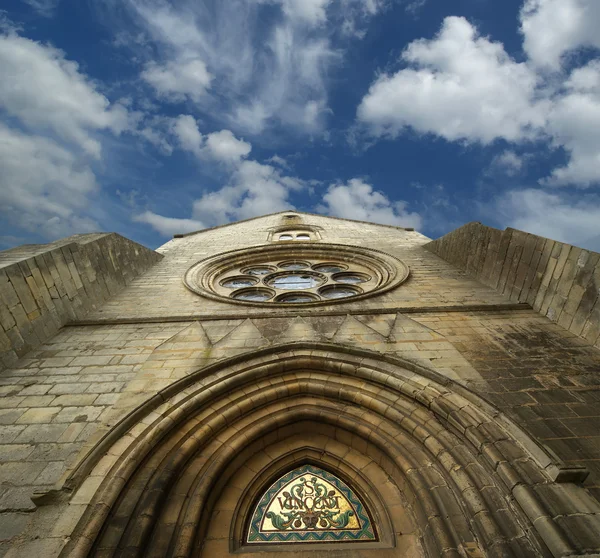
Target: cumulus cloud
x,y
254,189
168,226
178,79
55,122
224,146
221,146
574,123
461,87
358,200
44,188
552,28
572,219
188,135
47,93
464,87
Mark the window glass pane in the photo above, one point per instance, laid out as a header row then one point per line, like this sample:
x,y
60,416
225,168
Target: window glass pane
x,y
291,281
259,270
285,237
239,282
351,278
328,268
254,296
293,265
337,292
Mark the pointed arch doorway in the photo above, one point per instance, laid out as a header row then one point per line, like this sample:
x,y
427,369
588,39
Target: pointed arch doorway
x,y
434,468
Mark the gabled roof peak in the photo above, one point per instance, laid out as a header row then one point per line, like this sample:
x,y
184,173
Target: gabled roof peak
x,y
291,212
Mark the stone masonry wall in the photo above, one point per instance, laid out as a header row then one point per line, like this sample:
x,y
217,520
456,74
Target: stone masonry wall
x,y
59,401
44,286
160,294
558,280
67,389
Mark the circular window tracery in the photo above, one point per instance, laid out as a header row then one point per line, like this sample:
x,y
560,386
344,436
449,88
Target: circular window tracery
x,y
285,275
253,295
294,281
259,270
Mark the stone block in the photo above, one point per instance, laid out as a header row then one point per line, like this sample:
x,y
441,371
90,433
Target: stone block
x,y
12,525
38,415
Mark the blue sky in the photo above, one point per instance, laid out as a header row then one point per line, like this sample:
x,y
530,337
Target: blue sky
x,y
151,117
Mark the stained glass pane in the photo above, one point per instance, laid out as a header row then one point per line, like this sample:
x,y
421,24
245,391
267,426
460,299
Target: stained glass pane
x,y
308,505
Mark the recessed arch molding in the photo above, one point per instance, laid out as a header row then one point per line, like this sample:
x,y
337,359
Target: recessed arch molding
x,y
463,476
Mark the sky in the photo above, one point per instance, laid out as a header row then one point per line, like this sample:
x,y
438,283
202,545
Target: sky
x,y
155,117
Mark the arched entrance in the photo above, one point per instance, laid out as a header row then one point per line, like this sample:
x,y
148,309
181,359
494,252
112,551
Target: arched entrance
x,y
441,476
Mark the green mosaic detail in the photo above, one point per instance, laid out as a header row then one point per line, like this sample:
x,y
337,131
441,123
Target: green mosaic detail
x,y
308,505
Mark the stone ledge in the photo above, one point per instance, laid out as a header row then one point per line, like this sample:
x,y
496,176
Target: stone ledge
x,y
42,287
299,313
557,280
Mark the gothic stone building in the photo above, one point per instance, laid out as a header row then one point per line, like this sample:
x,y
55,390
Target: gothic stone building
x,y
300,386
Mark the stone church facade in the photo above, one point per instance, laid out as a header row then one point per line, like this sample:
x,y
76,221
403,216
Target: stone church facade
x,y
299,385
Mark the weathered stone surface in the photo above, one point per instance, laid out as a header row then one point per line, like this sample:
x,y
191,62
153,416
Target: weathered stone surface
x,y
562,282
44,286
492,400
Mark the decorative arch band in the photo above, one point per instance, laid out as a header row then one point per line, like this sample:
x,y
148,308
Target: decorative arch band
x,y
169,461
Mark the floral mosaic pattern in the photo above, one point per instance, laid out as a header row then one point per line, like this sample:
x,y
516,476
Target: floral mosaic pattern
x,y
307,505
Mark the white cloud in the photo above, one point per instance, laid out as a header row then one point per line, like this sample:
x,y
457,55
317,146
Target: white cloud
x,y
55,122
224,146
43,7
47,93
254,69
508,162
311,11
168,226
178,79
462,87
571,219
254,189
44,188
220,146
574,123
279,161
552,28
357,200
187,133
315,12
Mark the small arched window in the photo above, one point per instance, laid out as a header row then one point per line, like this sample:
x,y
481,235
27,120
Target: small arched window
x,y
295,235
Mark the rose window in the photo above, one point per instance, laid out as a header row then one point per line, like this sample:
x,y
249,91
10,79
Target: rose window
x,y
286,276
